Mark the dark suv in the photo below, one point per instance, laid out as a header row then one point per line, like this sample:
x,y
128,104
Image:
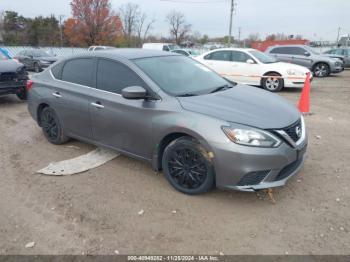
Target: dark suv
x,y
320,65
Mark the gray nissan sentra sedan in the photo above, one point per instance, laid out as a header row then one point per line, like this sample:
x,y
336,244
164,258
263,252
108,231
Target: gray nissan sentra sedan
x,y
199,128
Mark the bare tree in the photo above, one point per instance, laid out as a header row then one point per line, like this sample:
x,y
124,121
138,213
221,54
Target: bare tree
x,y
179,28
129,14
143,27
253,37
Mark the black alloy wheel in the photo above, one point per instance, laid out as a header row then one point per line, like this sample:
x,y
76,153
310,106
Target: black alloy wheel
x,y
187,166
51,126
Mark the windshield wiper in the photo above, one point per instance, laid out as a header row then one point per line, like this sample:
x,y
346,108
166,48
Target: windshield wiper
x,y
186,95
221,88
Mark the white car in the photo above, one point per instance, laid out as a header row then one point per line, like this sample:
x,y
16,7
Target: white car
x,y
252,67
160,46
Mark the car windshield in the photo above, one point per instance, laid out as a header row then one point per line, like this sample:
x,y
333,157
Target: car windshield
x,y
181,76
173,47
262,57
39,53
311,50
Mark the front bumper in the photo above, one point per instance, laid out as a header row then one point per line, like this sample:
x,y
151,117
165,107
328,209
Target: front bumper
x,y
337,69
250,168
297,83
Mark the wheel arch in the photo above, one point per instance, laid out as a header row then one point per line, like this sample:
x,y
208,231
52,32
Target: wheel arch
x,y
39,110
267,73
167,139
320,62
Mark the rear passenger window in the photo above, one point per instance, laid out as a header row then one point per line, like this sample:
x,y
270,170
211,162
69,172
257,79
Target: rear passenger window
x,y
57,70
288,50
113,76
219,56
78,71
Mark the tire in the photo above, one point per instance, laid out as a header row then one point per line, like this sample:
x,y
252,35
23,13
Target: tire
x,y
272,84
51,127
187,166
321,70
37,68
22,94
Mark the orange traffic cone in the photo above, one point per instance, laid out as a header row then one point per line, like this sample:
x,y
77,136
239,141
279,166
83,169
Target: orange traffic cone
x,y
304,102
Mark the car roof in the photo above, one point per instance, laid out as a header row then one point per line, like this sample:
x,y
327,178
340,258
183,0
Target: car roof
x,y
287,46
128,53
234,49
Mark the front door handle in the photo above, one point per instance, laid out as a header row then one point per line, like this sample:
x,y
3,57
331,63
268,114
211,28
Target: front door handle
x,y
57,94
97,105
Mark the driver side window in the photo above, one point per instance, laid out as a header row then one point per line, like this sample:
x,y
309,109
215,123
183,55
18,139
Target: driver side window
x,y
219,56
240,57
113,76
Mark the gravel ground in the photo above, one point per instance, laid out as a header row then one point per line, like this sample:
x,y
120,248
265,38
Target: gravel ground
x,y
97,212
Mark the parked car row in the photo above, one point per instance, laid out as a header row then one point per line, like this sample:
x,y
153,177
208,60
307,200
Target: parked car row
x,y
278,67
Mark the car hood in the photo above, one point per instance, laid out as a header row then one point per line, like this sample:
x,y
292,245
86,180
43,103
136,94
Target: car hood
x,y
285,66
47,58
9,66
244,105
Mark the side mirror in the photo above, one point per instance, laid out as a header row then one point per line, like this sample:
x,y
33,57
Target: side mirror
x,y
307,54
250,61
134,92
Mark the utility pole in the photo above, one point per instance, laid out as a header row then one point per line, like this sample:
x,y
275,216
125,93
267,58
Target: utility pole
x,y
338,35
231,16
239,36
61,33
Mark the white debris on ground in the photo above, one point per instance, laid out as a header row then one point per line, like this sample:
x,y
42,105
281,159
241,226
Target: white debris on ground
x,y
79,164
141,212
318,137
30,245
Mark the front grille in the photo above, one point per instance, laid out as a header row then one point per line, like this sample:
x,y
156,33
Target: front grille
x,y
4,77
253,178
289,169
292,130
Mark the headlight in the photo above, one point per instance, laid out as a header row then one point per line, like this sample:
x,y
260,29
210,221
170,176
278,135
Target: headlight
x,y
293,72
251,137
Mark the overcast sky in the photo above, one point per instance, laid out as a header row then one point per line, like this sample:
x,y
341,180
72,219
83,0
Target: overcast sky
x,y
314,19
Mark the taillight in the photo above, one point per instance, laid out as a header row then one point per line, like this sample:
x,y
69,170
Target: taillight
x,y
29,84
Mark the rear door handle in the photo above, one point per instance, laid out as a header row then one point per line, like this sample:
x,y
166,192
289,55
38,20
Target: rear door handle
x,y
57,94
97,105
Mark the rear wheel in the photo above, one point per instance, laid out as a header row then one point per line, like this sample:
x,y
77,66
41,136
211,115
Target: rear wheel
x,y
22,94
273,82
51,126
321,70
187,166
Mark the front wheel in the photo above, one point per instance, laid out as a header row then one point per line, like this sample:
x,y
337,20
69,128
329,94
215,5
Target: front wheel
x,y
51,126
321,70
273,82
187,166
